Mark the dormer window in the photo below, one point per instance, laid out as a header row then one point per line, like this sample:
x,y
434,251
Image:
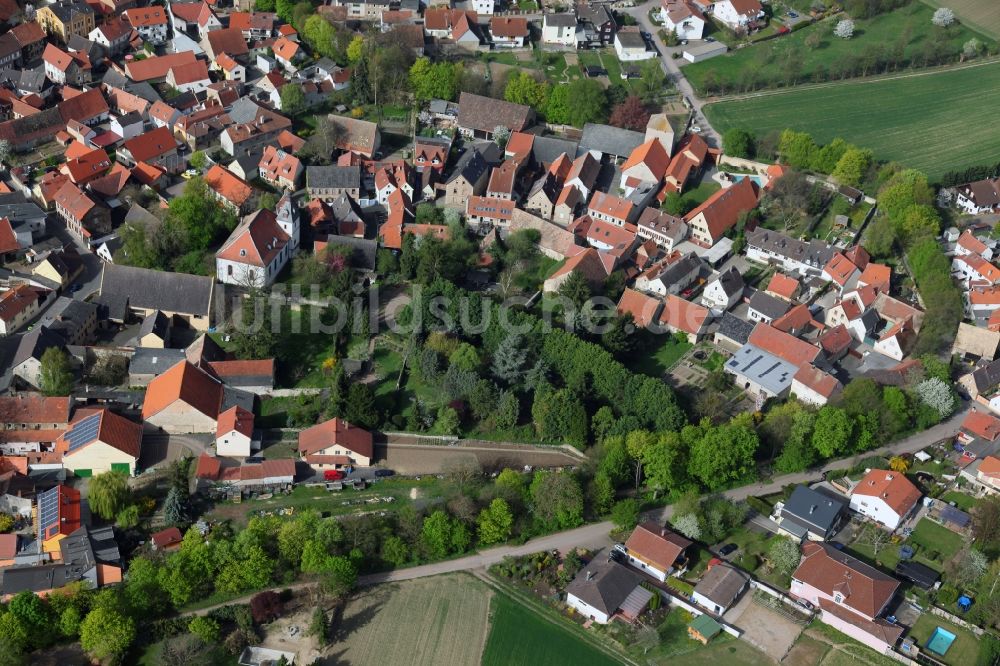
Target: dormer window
x,y
243,253
838,597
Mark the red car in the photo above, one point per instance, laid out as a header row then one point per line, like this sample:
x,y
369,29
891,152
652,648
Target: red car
x,y
333,475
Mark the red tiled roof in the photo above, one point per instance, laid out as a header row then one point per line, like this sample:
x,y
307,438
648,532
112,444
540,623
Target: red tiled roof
x,y
652,154
151,145
208,467
112,429
982,425
835,340
795,351
969,242
183,382
72,199
683,315
490,207
610,205
840,268
145,16
256,241
502,26
19,299
263,367
336,432
235,418
157,67
722,210
34,409
166,538
228,186
8,239
864,588
819,381
88,166
189,72
990,466
227,40
892,487
783,286
656,545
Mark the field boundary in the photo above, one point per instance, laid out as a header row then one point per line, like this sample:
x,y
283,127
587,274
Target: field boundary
x,y
543,612
986,32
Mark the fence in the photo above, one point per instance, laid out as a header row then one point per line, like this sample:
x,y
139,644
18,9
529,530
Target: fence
x,y
940,612
676,600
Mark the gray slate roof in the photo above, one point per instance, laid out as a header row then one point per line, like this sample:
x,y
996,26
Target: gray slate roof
x,y
767,370
609,140
814,252
152,361
731,281
327,177
566,20
155,323
545,149
722,584
603,584
68,315
470,165
146,289
812,509
734,328
34,343
770,306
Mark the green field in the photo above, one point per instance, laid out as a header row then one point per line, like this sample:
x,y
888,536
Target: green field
x,y
935,538
965,648
934,122
907,32
980,14
518,636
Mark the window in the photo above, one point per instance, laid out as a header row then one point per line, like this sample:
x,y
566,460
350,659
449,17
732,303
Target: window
x,y
838,597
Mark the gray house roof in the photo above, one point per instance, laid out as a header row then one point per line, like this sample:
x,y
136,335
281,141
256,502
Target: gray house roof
x,y
15,207
152,361
609,140
545,149
68,315
813,510
770,306
155,323
34,343
561,20
731,281
603,584
766,370
329,177
721,584
814,253
470,165
734,328
81,552
363,255
142,288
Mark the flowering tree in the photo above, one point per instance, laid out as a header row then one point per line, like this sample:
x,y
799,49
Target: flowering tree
x,y
936,394
943,17
844,29
688,526
501,135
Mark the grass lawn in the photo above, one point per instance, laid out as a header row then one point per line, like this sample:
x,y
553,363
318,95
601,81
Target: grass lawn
x,y
388,399
979,14
848,652
668,352
518,636
912,120
274,412
932,538
768,61
697,195
964,649
438,620
961,500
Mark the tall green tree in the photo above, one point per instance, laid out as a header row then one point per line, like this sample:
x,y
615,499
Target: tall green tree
x,y
55,377
724,454
106,634
293,100
832,431
556,500
108,493
738,142
495,522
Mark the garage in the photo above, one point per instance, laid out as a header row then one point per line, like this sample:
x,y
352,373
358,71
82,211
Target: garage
x,y
84,473
124,468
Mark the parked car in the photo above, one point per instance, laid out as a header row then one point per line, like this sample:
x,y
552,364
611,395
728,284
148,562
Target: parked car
x,y
384,472
333,475
728,548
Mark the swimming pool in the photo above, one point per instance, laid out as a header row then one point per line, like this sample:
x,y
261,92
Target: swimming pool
x,y
737,177
940,641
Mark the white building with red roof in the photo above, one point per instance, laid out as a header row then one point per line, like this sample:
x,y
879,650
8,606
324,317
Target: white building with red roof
x,y
336,444
150,22
885,496
254,253
280,168
98,441
740,16
683,18
234,432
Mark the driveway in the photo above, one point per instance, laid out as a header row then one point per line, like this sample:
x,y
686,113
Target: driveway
x,y
161,449
767,630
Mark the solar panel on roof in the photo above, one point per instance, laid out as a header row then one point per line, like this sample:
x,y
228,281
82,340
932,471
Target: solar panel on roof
x,y
48,511
83,432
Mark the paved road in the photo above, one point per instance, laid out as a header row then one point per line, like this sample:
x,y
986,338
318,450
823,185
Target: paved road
x,y
674,74
595,535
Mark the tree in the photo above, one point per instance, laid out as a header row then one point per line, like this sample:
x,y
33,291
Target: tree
x,y
796,150
582,101
972,48
184,650
509,360
852,166
899,464
630,114
106,633
556,500
508,410
495,522
688,525
447,422
844,29
437,534
832,431
293,100
395,551
5,151
360,407
204,628
724,454
966,570
560,415
339,577
575,288
55,376
434,81
664,463
938,395
174,512
625,514
738,142
321,36
523,88
356,48
108,494
943,17
198,160
783,555
986,522
128,517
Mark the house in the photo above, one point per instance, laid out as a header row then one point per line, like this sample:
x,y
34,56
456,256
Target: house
x,y
358,136
979,425
740,16
841,271
189,78
981,196
234,193
761,373
725,291
127,125
601,588
784,345
86,166
86,556
184,399
683,18
65,68
254,126
468,178
489,212
646,164
157,147
431,153
75,321
113,35
193,18
559,29
166,540
33,412
83,216
336,444
987,474
254,253
885,496
155,68
363,9
30,38
672,275
973,268
630,45
807,258
59,266
288,53
154,332
588,264
596,25
64,18
128,291
877,276
613,209
99,441
851,595
720,212
815,386
783,287
664,229
280,169
234,433
224,40
732,332
812,514
250,376
657,551
642,307
150,22
766,308
328,183
21,304
478,116
253,25
719,588
614,142
509,32
57,516
681,316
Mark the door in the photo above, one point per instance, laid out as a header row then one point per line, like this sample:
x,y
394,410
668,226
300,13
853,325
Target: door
x,y
124,468
84,473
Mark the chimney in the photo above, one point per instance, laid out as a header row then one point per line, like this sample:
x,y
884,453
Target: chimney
x,y
590,575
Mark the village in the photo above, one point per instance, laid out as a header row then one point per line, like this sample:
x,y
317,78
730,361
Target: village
x,y
190,194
